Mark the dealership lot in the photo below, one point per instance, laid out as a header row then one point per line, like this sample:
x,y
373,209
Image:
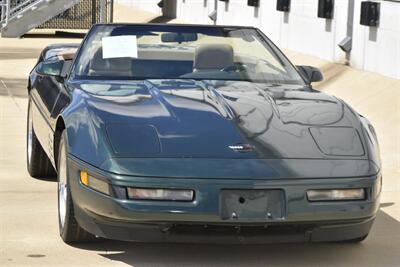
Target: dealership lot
x,y
28,211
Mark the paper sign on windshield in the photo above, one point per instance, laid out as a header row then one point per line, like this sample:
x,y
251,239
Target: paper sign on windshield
x,y
120,46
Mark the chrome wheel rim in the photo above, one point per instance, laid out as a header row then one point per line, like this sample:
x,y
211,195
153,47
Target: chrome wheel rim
x,y
29,137
62,187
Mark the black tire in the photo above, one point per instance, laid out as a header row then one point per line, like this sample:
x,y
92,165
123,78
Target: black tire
x,y
39,165
70,231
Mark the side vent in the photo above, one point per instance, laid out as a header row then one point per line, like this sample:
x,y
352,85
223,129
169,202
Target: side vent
x,y
325,9
370,13
254,3
283,5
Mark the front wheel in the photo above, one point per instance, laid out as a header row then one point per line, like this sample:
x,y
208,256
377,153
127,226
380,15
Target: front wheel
x,y
70,231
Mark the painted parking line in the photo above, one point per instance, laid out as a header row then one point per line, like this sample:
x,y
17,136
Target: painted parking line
x,y
10,94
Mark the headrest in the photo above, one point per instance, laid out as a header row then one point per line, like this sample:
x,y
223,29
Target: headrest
x,y
213,56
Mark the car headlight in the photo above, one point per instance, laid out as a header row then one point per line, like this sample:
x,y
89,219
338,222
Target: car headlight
x,y
336,194
160,194
94,183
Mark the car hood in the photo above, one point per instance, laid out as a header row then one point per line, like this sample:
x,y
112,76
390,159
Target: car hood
x,y
221,120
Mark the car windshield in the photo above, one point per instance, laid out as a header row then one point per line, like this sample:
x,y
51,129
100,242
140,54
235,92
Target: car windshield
x,y
137,52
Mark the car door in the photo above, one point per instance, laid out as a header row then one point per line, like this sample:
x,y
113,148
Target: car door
x,y
44,92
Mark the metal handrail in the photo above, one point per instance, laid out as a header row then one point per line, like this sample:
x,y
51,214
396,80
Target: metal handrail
x,y
5,12
16,9
21,6
8,10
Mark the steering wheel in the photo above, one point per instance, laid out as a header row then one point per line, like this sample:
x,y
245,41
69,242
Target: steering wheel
x,y
236,67
263,61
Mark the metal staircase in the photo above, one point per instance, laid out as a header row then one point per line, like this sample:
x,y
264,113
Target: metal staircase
x,y
19,16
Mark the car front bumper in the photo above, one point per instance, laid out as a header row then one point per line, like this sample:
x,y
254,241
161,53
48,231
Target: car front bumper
x,y
201,221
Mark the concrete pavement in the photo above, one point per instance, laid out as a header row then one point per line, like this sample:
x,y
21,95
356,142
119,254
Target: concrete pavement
x,y
28,207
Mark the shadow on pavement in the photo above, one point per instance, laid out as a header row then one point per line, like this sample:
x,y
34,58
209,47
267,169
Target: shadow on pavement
x,y
45,179
380,249
57,34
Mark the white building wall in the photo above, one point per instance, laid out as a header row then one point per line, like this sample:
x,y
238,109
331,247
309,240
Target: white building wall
x,y
145,5
237,12
195,11
374,49
378,49
303,31
272,22
318,36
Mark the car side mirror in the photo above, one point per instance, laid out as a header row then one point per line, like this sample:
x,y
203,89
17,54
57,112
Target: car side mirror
x,y
310,74
53,68
58,69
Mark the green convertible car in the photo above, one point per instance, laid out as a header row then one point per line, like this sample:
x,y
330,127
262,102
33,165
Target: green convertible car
x,y
197,133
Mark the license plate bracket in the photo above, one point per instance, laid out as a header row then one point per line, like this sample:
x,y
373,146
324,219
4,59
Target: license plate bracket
x,y
252,204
